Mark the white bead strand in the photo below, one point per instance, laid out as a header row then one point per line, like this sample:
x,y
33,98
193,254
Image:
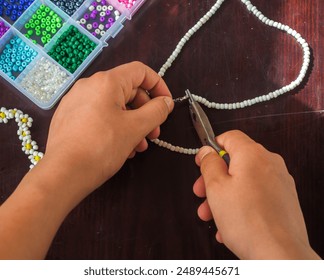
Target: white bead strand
x,y
245,103
24,122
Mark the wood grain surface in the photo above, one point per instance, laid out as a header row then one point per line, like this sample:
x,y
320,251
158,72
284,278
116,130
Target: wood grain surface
x,y
148,209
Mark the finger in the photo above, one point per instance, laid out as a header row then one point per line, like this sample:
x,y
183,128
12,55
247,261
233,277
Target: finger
x,y
213,168
204,212
132,154
234,141
136,75
151,115
219,237
199,188
140,99
142,146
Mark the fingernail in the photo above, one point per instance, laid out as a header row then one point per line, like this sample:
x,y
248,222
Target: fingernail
x,y
169,102
204,151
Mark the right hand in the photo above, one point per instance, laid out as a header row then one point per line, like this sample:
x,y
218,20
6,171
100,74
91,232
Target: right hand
x,y
254,202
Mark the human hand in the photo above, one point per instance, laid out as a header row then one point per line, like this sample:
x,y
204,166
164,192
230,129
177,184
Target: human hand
x,y
254,202
91,135
92,132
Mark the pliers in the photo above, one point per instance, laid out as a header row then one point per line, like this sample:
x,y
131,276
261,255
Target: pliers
x,y
204,128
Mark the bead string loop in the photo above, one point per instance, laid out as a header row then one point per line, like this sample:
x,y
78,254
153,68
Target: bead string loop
x,y
245,103
25,122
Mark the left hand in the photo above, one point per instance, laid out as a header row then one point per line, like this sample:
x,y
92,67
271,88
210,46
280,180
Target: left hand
x,y
93,130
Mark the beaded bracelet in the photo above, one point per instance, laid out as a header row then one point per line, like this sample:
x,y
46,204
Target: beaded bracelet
x,y
24,122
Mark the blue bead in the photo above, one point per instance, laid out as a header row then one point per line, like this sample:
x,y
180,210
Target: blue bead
x,y
13,17
7,13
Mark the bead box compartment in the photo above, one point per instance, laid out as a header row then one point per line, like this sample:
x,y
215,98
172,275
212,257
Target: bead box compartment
x,y
34,80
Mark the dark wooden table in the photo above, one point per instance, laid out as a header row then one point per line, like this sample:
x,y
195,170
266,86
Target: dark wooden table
x,y
148,210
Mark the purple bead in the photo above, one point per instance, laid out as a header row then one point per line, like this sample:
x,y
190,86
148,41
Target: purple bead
x,y
86,16
108,12
93,16
94,33
102,19
111,20
94,3
103,2
95,25
107,25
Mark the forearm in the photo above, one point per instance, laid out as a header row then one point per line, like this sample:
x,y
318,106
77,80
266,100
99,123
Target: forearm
x,y
33,213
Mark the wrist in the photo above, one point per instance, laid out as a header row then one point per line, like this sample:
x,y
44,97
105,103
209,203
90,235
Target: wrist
x,y
281,248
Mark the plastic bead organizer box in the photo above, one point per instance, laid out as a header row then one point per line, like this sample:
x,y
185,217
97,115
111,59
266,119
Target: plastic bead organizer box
x,y
45,45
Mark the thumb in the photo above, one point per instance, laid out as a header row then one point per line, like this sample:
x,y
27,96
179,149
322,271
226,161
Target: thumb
x,y
213,168
152,114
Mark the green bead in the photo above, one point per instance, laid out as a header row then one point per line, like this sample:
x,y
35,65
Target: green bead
x,y
43,14
38,12
47,9
30,32
34,41
27,25
38,32
34,16
37,22
53,31
43,25
42,7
